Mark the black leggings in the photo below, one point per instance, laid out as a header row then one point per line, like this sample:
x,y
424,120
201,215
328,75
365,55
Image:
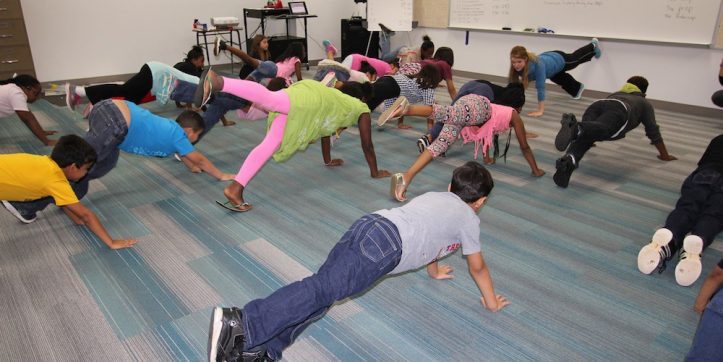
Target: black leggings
x,y
133,90
384,88
564,79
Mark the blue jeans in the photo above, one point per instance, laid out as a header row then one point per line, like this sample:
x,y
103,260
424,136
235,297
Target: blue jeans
x,y
218,106
266,69
708,341
108,128
387,54
183,92
340,75
699,209
370,249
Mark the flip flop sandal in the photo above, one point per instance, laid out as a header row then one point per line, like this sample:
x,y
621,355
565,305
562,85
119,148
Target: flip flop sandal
x,y
396,182
203,90
235,208
392,111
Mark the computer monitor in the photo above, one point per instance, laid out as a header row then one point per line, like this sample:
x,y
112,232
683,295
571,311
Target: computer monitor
x,y
297,8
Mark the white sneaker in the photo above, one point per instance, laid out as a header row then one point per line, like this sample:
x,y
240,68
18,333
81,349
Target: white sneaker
x,y
654,255
689,267
177,157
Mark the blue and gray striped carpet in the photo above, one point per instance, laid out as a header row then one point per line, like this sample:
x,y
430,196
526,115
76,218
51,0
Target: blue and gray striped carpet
x,y
564,257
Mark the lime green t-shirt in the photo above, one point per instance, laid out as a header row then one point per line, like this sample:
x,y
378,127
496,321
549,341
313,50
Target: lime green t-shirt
x,y
316,111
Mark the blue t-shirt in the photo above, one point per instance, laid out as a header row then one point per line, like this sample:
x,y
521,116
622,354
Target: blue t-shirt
x,y
152,135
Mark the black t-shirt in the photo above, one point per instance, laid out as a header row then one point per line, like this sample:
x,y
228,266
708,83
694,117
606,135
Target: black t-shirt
x,y
714,153
188,68
720,264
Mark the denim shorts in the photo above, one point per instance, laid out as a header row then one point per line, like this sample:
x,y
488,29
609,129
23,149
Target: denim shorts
x,y
108,129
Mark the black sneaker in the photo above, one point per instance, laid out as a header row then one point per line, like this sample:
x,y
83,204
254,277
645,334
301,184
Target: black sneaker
x,y
567,133
564,167
386,30
423,143
226,335
25,218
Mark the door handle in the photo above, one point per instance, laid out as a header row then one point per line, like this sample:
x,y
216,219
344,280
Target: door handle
x,y
11,61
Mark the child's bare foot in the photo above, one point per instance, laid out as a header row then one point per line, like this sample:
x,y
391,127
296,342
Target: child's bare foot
x,y
401,125
226,122
234,195
489,160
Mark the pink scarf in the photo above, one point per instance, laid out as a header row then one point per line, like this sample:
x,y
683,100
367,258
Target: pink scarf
x,y
482,135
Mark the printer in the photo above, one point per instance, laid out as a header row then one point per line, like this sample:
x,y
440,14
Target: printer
x,y
224,21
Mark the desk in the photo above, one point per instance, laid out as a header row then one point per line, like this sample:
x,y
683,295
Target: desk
x,y
218,31
279,43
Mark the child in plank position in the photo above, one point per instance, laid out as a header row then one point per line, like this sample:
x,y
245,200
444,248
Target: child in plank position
x,y
526,66
472,117
117,125
384,242
699,211
27,177
298,115
607,119
15,94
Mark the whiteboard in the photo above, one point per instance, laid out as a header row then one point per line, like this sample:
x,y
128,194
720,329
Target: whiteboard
x,y
676,21
394,14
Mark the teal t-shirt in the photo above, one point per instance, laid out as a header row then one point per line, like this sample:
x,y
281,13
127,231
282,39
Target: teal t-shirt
x,y
152,135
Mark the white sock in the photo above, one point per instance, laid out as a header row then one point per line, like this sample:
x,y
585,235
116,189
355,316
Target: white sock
x,y
80,91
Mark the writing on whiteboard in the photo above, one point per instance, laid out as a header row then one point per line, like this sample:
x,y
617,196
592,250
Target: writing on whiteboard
x,y
680,10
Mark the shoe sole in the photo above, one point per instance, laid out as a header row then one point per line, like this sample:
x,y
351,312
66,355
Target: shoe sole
x,y
68,99
326,81
649,255
564,136
689,269
15,213
579,93
198,95
387,114
561,166
214,333
397,179
216,46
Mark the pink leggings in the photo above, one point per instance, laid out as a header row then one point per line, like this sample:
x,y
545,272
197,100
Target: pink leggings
x,y
273,102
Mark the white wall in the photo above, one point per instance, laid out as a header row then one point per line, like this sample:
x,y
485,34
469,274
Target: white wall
x,y
73,39
676,74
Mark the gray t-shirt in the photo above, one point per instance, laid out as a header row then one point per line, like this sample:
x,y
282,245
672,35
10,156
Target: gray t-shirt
x,y
431,226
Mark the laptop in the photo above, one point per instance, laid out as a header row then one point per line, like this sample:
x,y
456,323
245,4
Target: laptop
x,y
297,8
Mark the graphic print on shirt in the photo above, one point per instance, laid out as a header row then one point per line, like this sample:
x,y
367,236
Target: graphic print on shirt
x,y
451,248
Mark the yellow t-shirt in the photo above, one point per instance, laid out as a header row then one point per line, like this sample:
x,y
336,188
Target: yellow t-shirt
x,y
26,177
